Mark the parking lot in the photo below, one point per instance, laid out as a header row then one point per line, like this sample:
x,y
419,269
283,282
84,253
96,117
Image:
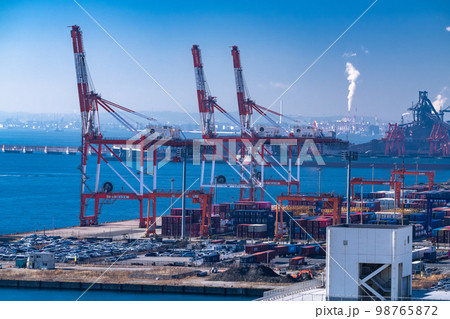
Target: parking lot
x,y
71,250
142,252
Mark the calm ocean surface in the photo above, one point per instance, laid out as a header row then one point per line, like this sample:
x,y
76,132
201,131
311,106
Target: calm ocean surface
x,y
34,294
40,191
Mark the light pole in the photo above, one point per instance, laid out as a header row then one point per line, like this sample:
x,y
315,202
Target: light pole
x,y
349,156
320,179
215,190
373,175
417,169
183,196
171,190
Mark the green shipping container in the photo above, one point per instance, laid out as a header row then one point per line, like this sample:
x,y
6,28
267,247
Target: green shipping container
x,y
21,263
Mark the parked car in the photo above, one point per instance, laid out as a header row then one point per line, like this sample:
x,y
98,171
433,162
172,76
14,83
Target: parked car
x,y
152,254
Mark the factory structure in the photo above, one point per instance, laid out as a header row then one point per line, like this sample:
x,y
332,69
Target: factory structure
x,y
426,134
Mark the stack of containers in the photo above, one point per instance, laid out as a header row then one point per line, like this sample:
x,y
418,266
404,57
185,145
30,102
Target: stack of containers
x,y
446,221
388,215
171,226
362,217
354,218
418,218
370,206
256,231
386,203
255,213
441,235
418,231
317,227
195,229
436,223
299,229
195,214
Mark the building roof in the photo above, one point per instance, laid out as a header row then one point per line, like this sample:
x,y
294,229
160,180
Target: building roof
x,y
371,226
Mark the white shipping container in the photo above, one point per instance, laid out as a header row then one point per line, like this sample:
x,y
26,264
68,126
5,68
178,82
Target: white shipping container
x,y
257,228
381,215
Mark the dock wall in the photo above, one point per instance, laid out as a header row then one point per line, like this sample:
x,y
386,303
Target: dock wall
x,y
181,289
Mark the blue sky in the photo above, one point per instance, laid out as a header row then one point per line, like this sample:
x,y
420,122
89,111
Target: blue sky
x,y
401,47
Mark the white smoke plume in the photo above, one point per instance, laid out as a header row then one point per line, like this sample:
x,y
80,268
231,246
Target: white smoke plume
x,y
448,29
439,102
353,74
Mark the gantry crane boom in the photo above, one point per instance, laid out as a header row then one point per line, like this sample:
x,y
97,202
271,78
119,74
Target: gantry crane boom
x,y
244,103
205,101
87,107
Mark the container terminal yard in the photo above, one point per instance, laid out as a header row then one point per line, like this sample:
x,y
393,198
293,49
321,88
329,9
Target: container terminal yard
x,y
266,244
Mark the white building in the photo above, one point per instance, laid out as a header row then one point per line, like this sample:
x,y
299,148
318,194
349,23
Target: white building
x,y
41,261
369,262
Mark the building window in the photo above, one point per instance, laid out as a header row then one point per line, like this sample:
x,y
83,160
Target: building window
x,y
345,242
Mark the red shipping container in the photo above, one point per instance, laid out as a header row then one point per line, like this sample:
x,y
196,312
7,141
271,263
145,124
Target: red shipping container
x,y
308,251
281,250
296,261
256,248
176,211
265,256
263,205
324,222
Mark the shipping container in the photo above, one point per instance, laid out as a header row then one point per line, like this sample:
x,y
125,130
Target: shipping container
x,y
309,250
251,249
281,250
264,256
248,259
296,261
211,258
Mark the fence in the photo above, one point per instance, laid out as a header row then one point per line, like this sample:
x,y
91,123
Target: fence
x,y
291,290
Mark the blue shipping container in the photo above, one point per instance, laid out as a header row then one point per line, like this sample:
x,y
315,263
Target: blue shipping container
x,y
292,249
436,223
